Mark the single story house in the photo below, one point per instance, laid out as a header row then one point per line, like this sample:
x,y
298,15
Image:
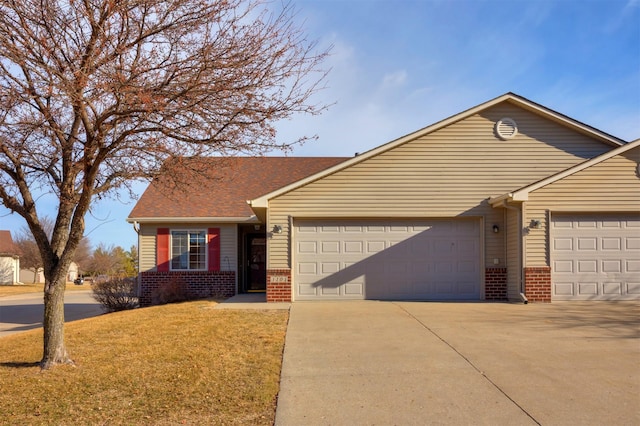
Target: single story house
x,y
9,259
31,276
508,200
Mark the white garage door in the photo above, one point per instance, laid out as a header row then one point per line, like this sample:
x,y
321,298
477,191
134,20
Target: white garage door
x,y
432,260
595,257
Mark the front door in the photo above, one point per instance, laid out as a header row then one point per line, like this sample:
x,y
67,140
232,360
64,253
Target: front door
x,y
256,262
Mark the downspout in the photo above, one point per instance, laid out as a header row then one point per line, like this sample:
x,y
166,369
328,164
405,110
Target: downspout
x,y
136,227
520,250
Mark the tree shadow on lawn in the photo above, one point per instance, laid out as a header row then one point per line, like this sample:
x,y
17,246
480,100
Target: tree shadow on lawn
x,y
20,364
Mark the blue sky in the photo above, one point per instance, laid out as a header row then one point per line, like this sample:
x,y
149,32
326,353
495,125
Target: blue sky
x,y
398,66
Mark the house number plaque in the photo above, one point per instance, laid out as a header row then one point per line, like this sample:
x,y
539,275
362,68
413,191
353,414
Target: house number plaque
x,y
278,278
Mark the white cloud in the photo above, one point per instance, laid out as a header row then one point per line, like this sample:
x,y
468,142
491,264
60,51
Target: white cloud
x,y
394,79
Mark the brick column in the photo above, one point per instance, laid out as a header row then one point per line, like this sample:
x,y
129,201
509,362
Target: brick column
x,y
495,284
537,283
278,285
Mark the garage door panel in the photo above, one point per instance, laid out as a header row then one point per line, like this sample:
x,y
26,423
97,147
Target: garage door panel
x,y
307,268
563,289
467,287
435,259
612,288
611,266
375,246
633,288
330,247
306,289
563,266
588,224
354,247
611,243
353,288
587,289
633,266
329,291
611,224
563,243
585,266
356,229
307,247
587,244
330,267
467,268
595,257
633,243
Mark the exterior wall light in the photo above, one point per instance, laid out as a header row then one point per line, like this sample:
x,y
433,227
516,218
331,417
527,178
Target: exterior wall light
x,y
535,224
277,229
496,229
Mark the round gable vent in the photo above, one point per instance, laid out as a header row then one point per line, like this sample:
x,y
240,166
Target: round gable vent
x,y
506,128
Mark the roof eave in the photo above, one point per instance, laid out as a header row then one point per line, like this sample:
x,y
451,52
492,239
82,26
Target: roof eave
x,y
239,219
518,196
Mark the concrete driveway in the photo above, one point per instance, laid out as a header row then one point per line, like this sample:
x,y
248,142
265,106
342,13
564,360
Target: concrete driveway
x,y
406,363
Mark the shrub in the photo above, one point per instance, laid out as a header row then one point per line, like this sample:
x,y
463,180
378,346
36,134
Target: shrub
x,y
116,294
173,291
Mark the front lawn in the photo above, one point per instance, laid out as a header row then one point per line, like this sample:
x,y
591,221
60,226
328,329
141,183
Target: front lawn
x,y
175,364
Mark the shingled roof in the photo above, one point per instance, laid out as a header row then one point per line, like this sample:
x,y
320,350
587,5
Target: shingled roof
x,y
219,187
7,246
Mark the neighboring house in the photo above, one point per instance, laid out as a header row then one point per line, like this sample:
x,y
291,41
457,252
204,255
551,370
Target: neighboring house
x,y
9,260
73,272
29,276
508,200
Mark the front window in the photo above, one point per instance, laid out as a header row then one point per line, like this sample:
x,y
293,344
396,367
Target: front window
x,y
188,250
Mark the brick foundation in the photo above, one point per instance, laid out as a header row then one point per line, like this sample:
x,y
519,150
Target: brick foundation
x,y
495,284
197,285
278,285
537,283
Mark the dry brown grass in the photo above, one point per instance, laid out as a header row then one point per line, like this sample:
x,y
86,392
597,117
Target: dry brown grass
x,y
174,364
10,290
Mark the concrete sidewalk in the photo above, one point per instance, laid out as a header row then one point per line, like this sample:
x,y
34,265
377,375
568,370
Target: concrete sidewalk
x,y
251,301
405,363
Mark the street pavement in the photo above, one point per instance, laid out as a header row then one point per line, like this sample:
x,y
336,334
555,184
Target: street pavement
x,y
414,363
24,311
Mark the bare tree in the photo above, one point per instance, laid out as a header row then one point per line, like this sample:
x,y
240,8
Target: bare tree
x,y
82,256
30,257
97,93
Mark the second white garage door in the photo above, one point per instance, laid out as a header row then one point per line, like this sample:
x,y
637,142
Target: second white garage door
x,y
420,260
595,257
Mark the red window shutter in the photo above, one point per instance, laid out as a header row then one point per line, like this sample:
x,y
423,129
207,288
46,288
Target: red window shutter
x,y
213,244
162,255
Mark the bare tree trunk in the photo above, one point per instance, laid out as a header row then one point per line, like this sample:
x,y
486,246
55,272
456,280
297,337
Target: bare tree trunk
x,y
55,351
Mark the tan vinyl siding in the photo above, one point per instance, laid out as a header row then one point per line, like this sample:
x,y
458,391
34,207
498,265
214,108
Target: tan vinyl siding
x,y
228,243
449,172
610,186
147,244
514,255
228,247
